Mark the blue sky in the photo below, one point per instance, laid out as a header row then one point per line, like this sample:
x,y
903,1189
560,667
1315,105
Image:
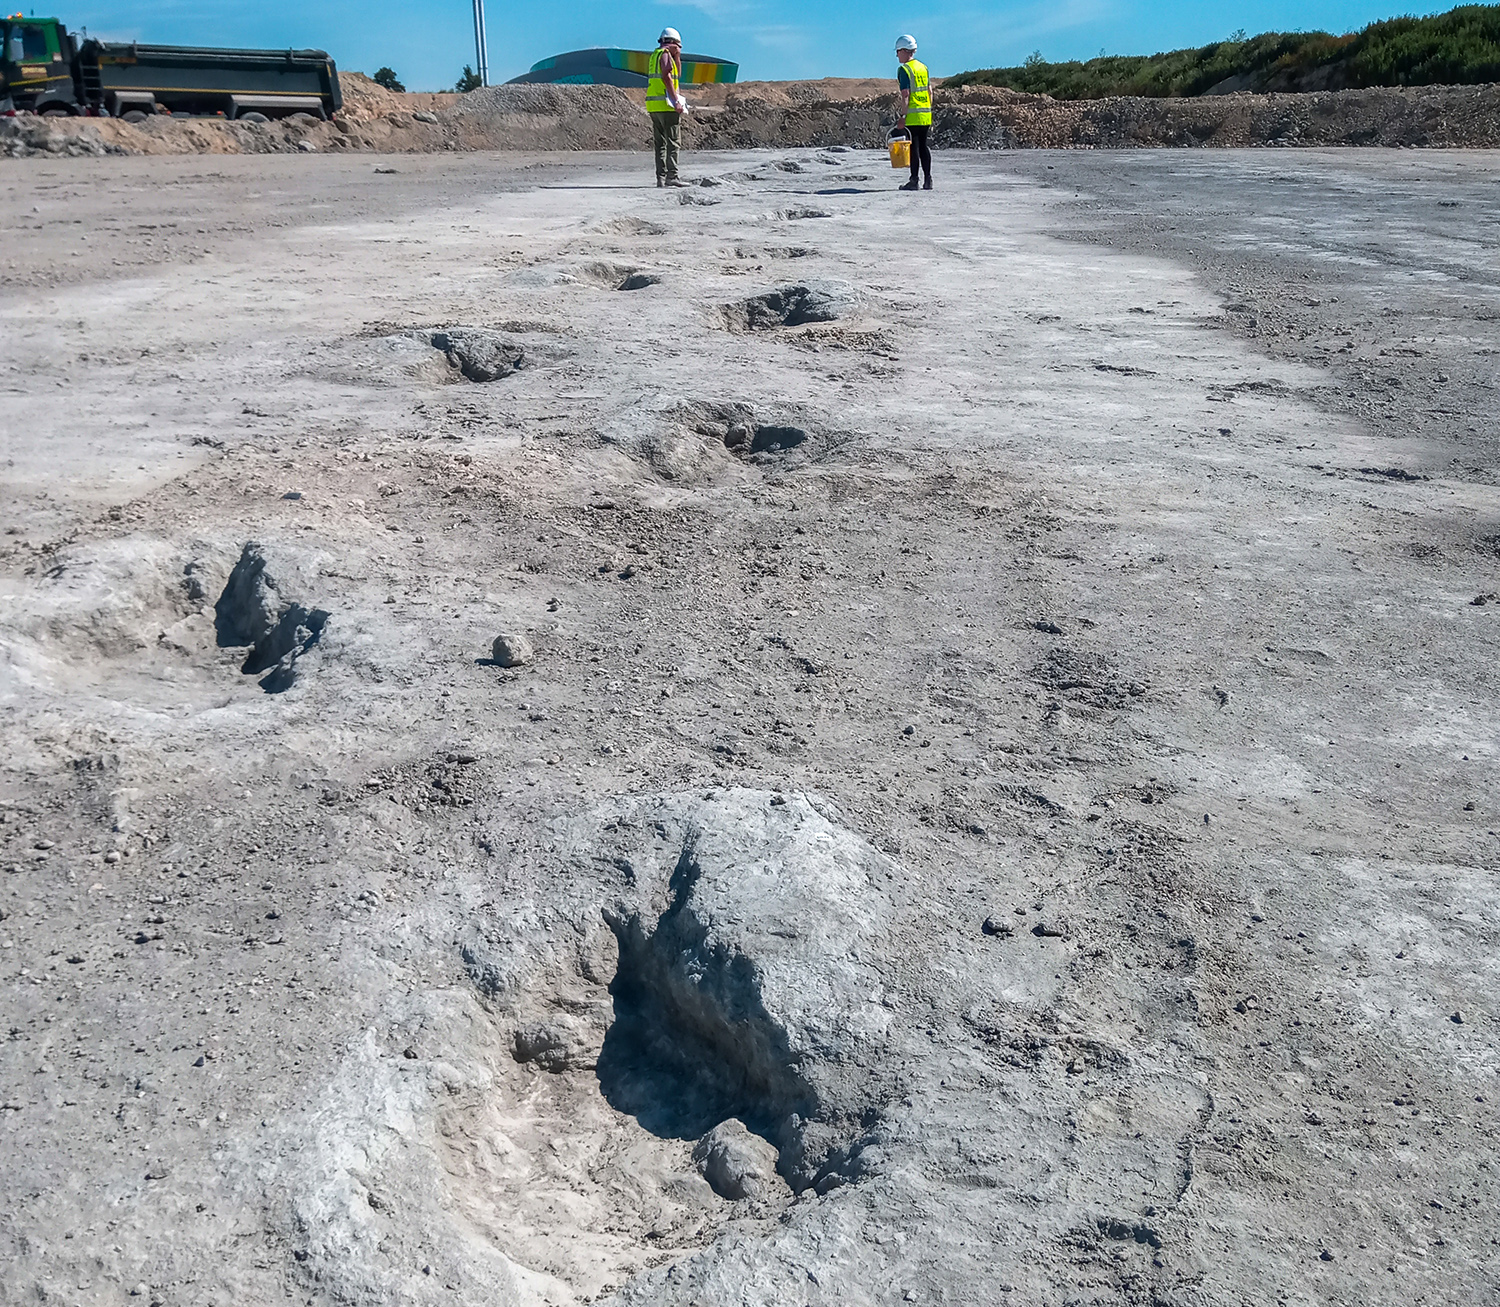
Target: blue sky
x,y
428,43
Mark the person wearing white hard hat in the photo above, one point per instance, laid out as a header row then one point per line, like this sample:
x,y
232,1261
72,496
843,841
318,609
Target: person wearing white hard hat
x,y
916,101
665,104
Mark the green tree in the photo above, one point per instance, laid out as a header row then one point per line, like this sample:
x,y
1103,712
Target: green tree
x,y
468,82
387,78
1458,48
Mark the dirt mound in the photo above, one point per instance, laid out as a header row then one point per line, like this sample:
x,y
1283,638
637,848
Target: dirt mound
x,y
365,99
828,113
498,118
549,118
996,118
791,94
1438,116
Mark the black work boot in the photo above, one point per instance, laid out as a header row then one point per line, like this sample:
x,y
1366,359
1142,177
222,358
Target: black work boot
x,y
927,185
910,186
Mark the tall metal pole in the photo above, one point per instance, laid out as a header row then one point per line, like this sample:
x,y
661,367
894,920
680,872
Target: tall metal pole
x,y
481,45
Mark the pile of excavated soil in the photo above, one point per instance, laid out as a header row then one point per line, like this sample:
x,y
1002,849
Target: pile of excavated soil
x,y
1431,116
996,118
786,115
549,118
496,118
366,100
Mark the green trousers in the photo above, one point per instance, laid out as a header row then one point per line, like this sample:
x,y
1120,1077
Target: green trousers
x,y
666,137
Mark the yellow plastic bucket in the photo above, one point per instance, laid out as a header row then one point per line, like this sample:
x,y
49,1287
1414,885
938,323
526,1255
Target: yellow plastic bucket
x,y
900,147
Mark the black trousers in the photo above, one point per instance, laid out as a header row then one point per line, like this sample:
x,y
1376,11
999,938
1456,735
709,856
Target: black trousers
x,y
921,156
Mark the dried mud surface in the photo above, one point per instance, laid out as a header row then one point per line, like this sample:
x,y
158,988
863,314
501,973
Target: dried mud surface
x,y
987,793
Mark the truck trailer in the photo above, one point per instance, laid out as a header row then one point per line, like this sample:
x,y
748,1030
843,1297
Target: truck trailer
x,y
44,69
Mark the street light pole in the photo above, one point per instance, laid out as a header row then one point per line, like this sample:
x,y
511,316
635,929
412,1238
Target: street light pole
x,y
481,45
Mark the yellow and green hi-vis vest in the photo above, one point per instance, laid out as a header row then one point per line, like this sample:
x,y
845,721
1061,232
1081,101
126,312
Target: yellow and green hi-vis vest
x,y
657,99
919,106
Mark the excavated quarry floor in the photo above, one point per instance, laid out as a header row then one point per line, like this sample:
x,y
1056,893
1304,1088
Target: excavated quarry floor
x,y
1002,809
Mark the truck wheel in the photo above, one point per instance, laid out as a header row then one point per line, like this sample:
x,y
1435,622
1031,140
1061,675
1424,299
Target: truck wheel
x,y
133,116
252,117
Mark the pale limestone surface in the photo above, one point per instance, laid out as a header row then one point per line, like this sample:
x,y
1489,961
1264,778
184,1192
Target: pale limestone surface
x,y
1107,568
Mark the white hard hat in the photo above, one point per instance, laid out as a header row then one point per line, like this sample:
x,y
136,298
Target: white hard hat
x,y
672,34
907,42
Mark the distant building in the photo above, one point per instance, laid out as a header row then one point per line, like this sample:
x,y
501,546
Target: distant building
x,y
623,68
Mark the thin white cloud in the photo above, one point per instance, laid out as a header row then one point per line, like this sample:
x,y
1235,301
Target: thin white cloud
x,y
780,36
721,11
1025,25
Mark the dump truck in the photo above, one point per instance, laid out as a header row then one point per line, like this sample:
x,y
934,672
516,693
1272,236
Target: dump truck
x,y
45,69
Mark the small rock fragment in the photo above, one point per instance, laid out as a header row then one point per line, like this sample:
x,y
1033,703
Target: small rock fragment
x,y
1001,928
512,650
736,1163
552,1046
1325,1256
1457,1018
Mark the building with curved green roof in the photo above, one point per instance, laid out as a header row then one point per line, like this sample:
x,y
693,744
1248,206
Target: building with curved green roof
x,y
609,67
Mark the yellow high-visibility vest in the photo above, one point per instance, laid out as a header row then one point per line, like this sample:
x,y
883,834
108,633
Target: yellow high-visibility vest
x,y
919,106
657,99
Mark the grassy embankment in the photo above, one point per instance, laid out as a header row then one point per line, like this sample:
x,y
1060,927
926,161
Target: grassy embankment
x,y
1458,48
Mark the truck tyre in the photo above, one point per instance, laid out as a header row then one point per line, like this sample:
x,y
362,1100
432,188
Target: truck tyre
x,y
133,116
252,117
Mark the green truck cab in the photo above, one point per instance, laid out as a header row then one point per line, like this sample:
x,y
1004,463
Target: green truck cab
x,y
45,70
36,66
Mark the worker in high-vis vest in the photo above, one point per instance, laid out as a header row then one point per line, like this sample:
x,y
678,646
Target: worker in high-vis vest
x,y
916,100
665,104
